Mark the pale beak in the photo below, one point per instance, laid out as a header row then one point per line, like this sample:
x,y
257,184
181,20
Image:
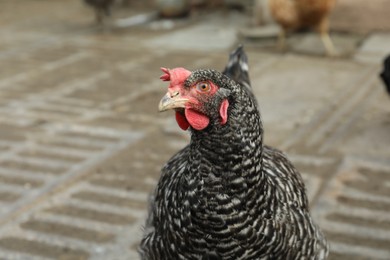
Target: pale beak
x,y
172,101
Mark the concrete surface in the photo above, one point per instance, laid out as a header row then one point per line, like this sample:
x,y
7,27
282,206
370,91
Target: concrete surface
x,y
82,143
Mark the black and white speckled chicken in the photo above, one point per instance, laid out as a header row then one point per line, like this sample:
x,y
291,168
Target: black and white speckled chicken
x,y
385,74
226,195
102,8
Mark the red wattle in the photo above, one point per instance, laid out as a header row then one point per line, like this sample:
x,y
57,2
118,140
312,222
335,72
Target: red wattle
x,y
197,120
182,121
223,111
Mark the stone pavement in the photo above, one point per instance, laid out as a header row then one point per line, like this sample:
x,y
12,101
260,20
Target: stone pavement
x,y
82,143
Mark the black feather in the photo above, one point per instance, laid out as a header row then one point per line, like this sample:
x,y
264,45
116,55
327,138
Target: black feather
x,y
237,67
385,75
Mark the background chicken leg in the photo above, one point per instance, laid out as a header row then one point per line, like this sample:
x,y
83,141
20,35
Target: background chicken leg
x,y
323,29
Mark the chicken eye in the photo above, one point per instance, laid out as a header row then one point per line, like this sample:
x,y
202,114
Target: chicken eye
x,y
203,87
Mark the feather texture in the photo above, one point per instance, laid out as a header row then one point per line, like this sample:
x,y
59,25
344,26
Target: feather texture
x,y
385,74
228,196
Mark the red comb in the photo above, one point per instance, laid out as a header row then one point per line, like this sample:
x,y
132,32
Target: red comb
x,y
166,76
177,75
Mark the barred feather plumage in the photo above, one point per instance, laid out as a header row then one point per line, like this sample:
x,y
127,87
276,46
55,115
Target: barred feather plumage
x,y
228,196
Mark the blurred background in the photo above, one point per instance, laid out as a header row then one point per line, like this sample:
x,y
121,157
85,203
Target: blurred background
x,y
82,142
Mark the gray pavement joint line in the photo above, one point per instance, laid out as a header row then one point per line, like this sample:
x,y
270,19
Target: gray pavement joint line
x,y
358,195
73,140
21,188
328,117
50,116
73,101
330,187
357,250
343,110
40,44
14,150
322,114
136,195
130,97
76,141
23,175
147,118
63,108
74,202
37,176
47,108
88,224
61,90
347,210
76,84
155,86
32,108
44,68
34,46
74,173
16,120
68,60
20,146
373,162
60,151
322,188
381,215
5,187
61,240
85,114
52,163
6,254
337,166
311,159
269,62
53,240
77,222
130,236
357,232
313,184
92,115
93,131
342,128
131,65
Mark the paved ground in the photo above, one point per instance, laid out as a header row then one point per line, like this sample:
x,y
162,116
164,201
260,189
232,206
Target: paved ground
x,y
82,144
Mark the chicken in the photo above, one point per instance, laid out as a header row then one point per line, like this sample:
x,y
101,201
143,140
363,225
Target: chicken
x,y
385,75
102,8
226,195
296,14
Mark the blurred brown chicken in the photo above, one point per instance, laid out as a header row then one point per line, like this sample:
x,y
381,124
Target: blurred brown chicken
x,y
297,14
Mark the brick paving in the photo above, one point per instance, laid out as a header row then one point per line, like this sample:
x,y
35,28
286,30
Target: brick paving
x,y
82,143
